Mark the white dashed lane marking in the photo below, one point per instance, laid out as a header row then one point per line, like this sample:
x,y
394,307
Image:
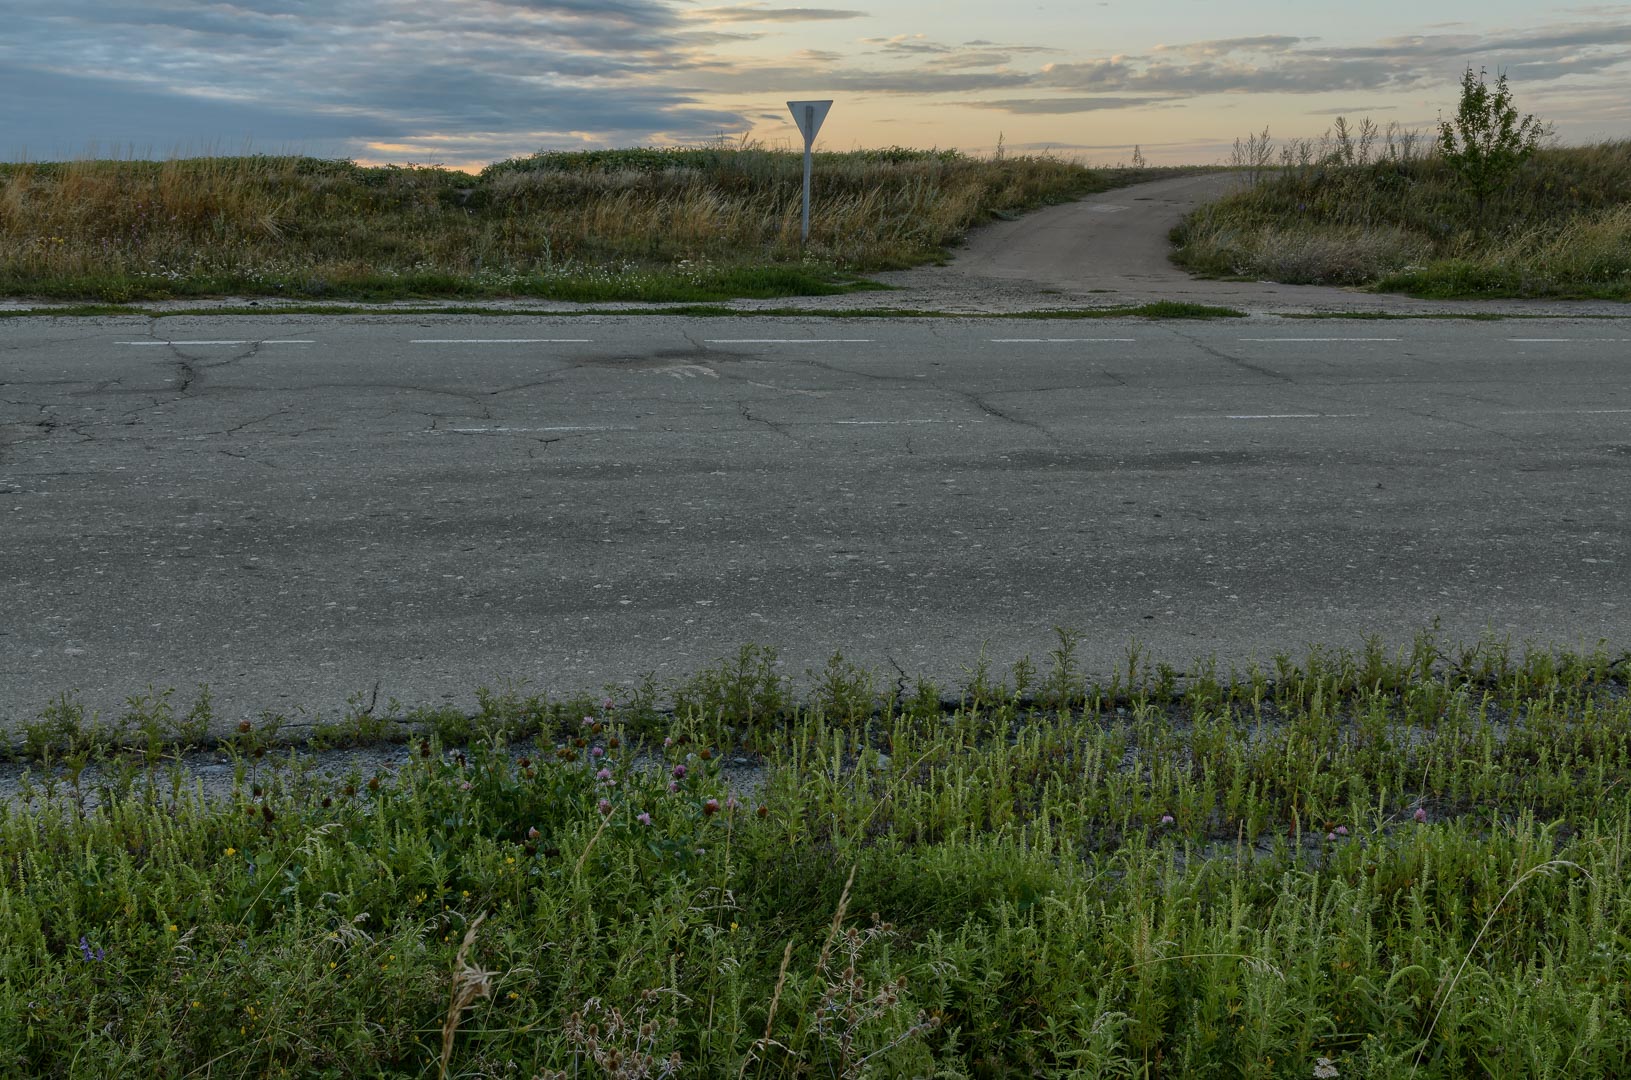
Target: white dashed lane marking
x,y
1315,340
247,341
1058,340
500,341
788,341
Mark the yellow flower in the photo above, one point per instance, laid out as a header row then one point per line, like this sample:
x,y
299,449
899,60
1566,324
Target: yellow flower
x,y
231,851
195,1004
173,928
733,928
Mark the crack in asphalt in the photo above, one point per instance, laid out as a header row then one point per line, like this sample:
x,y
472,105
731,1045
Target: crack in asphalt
x,y
1218,354
992,411
747,414
251,460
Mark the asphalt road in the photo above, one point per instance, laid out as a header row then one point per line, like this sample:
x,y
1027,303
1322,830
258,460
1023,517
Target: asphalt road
x,y
297,509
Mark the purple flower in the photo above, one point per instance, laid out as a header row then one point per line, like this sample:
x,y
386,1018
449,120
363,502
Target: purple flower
x,y
673,785
605,807
91,955
1421,814
710,808
732,804
668,741
1166,819
1330,836
587,721
603,775
1342,830
643,818
679,772
597,752
606,703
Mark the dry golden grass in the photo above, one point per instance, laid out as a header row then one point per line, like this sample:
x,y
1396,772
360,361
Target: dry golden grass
x,y
119,230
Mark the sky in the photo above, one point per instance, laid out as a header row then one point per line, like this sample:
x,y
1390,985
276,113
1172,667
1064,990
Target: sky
x,y
466,82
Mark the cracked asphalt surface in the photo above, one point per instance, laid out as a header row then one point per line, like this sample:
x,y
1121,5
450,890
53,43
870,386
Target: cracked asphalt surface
x,y
296,509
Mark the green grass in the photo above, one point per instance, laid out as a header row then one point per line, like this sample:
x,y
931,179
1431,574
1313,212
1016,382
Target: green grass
x,y
1401,220
645,225
1146,875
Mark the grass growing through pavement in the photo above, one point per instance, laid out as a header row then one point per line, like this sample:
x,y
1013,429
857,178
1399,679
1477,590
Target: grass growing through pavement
x,y
1401,219
642,225
1359,865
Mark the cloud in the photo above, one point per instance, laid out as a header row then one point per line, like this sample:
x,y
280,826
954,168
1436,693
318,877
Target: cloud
x,y
344,76
1263,43
760,13
1060,105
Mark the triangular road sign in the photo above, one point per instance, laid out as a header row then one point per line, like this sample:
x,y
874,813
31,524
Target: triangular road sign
x,y
808,115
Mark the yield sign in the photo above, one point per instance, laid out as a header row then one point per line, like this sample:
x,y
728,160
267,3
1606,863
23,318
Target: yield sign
x,y
808,115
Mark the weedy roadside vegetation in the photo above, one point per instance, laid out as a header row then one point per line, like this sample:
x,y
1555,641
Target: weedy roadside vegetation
x,y
694,224
1356,864
1483,210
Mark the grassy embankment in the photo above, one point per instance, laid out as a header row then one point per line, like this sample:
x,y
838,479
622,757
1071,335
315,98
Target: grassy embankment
x,y
1397,217
1355,866
659,225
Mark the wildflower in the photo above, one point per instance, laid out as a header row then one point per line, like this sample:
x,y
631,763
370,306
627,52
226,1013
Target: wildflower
x,y
679,772
532,833
1421,814
1342,830
673,786
91,955
1324,1069
734,927
605,807
172,928
710,808
230,852
605,777
669,741
597,752
732,804
763,811
587,721
1167,819
465,786
1330,836
606,703
643,818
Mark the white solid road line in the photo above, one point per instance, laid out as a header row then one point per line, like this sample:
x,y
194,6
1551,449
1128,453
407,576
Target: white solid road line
x,y
788,341
1566,340
247,341
500,341
1318,339
1055,340
886,423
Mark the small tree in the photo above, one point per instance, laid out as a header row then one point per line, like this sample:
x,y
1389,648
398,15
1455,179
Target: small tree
x,y
1487,142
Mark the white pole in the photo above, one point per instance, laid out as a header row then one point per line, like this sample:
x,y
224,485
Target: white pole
x,y
809,125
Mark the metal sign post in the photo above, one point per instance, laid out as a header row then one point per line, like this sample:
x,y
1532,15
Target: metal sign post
x,y
808,115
